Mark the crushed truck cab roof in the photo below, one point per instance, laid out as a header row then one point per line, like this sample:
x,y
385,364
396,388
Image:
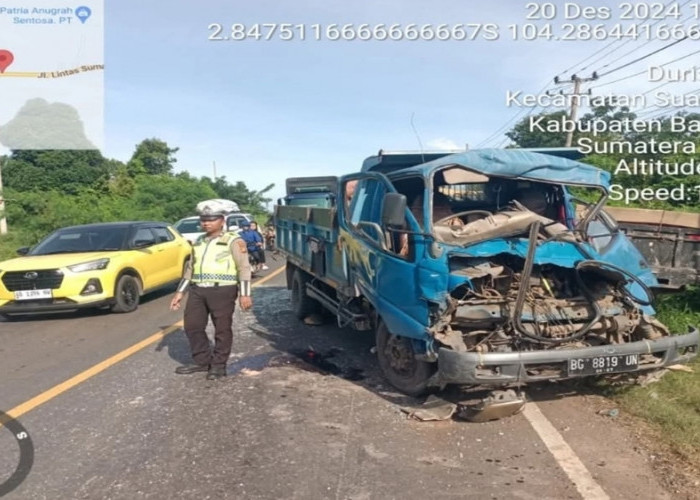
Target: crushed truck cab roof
x,y
508,163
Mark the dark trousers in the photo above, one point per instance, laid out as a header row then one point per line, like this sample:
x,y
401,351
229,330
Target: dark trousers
x,y
219,302
258,254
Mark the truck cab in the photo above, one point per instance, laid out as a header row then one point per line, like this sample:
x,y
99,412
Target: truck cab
x,y
486,267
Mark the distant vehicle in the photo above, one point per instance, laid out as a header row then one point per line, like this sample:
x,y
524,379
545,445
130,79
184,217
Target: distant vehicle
x,y
94,265
240,217
190,228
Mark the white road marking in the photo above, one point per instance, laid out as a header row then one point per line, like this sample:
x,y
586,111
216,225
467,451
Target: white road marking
x,y
564,455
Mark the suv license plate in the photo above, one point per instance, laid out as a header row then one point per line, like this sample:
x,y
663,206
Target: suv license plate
x,y
603,364
33,294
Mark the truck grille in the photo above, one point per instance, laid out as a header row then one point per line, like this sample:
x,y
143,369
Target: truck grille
x,y
32,280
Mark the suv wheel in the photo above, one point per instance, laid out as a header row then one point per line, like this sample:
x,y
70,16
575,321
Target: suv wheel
x,y
126,294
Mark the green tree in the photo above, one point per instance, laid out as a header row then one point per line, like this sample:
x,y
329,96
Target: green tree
x,y
152,157
64,170
169,198
523,136
46,190
617,162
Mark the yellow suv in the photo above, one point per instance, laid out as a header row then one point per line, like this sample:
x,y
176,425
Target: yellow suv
x,y
94,265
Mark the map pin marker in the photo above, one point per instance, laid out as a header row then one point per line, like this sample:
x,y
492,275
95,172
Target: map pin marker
x,y
6,58
83,13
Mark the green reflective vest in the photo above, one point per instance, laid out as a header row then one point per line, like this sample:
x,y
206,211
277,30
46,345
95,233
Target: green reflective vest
x,y
213,262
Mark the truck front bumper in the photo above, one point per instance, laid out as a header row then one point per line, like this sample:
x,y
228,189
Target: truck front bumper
x,y
505,368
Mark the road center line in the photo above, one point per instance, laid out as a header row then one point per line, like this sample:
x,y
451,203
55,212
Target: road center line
x,y
563,454
49,394
269,276
560,450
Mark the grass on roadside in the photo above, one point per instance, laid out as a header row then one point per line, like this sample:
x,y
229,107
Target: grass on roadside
x,y
10,242
672,405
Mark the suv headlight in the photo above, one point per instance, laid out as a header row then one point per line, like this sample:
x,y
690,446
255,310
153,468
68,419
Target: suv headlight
x,y
93,265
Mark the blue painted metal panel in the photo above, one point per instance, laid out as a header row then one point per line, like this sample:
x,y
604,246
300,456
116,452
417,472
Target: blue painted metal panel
x,y
402,290
517,163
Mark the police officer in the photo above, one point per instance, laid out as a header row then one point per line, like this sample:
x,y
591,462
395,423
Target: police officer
x,y
219,272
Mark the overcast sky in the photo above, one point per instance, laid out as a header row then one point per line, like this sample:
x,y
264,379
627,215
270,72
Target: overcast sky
x,y
266,110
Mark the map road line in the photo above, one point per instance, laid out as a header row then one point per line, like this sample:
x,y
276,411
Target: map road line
x,y
59,389
53,74
17,74
563,454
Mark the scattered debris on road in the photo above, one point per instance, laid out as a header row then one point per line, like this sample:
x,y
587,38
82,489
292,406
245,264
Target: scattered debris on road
x,y
434,408
307,359
612,413
497,405
681,368
314,319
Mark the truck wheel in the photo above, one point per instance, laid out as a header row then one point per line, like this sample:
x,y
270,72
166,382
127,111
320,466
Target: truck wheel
x,y
126,294
399,365
302,304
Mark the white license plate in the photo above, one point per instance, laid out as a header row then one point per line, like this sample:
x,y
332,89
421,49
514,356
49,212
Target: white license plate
x,y
33,294
604,364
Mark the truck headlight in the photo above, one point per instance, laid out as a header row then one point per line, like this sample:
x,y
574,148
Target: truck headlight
x,y
93,265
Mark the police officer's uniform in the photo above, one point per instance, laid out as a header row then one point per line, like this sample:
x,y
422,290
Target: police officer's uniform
x,y
218,271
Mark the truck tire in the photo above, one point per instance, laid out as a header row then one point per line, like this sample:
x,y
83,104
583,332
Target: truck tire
x,y
302,304
126,294
398,363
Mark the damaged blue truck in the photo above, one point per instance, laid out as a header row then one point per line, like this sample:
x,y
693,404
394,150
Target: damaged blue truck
x,y
479,268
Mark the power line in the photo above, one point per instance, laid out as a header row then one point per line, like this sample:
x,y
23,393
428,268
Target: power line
x,y
587,58
533,109
640,46
495,134
676,42
650,110
620,46
644,71
656,88
690,16
605,55
502,127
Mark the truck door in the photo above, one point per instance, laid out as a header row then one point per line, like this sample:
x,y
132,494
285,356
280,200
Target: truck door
x,y
374,258
605,236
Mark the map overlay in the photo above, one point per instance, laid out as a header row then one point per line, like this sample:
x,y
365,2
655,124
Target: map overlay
x,y
51,74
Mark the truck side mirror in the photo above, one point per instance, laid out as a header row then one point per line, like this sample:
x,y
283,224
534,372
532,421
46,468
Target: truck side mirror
x,y
394,210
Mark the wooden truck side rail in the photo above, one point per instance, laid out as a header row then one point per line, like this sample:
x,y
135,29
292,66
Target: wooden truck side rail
x,y
669,241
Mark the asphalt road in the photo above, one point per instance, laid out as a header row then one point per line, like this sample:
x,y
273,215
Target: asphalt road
x,y
283,424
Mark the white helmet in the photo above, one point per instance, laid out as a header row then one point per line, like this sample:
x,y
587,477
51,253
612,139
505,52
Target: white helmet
x,y
216,207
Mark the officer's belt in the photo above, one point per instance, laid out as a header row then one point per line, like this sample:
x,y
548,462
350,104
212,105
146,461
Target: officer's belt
x,y
211,285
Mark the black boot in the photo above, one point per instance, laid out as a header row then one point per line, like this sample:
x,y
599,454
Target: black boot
x,y
193,368
216,372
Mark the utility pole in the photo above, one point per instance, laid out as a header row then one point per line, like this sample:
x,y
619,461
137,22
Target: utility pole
x,y
3,219
575,99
